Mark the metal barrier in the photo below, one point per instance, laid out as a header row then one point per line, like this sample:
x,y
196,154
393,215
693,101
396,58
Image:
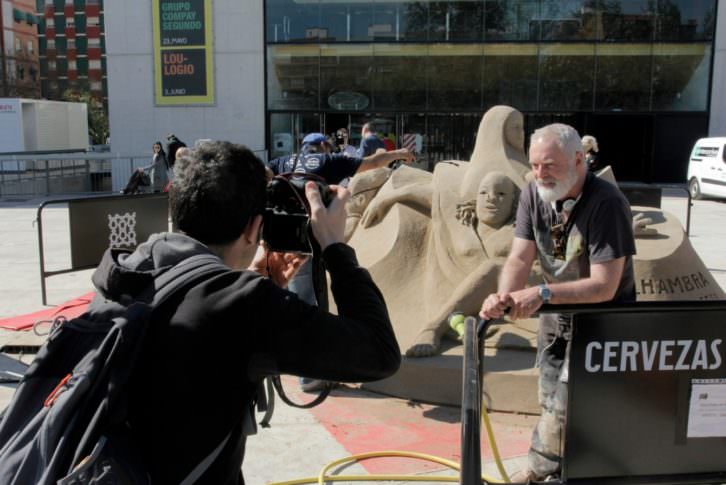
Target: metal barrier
x,y
97,223
61,173
43,174
646,395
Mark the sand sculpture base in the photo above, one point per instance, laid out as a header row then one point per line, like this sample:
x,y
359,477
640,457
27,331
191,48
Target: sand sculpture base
x,y
510,379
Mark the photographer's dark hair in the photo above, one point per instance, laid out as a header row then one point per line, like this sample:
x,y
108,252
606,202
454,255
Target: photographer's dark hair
x,y
218,188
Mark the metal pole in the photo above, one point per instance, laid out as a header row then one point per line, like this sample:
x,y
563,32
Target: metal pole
x,y
39,221
688,214
3,60
470,473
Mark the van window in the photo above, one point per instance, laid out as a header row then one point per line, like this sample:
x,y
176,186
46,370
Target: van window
x,y
723,154
707,152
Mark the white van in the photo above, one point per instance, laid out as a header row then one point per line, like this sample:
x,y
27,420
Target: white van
x,y
707,168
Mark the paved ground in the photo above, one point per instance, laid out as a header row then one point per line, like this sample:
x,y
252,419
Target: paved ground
x,y
300,442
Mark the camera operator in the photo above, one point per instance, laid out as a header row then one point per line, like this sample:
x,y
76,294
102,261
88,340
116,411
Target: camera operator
x,y
227,333
316,158
341,143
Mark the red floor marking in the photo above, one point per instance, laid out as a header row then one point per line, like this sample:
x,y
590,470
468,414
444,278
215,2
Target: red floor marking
x,y
69,309
365,422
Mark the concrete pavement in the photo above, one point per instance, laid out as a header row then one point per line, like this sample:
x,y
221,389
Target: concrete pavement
x,y
300,442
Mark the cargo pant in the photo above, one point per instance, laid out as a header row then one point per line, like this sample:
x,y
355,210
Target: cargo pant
x,y
553,350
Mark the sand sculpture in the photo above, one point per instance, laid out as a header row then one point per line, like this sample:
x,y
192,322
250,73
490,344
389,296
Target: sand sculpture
x,y
437,241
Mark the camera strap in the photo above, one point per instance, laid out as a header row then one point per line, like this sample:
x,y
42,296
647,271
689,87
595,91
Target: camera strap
x,y
277,384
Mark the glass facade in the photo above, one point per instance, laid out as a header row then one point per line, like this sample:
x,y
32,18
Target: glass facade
x,y
416,63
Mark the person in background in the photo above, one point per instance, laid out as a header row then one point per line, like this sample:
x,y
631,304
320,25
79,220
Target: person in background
x,y
172,145
369,143
592,159
341,143
159,168
155,175
388,142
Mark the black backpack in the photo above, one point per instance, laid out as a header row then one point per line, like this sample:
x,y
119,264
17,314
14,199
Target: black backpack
x,y
67,421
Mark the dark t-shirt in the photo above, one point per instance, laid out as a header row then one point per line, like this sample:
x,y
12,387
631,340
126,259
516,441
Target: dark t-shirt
x,y
369,145
600,230
332,167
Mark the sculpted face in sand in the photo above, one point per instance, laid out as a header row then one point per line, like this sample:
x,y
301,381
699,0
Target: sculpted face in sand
x,y
495,199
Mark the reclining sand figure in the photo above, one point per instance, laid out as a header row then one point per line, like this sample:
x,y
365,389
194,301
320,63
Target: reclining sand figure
x,y
463,254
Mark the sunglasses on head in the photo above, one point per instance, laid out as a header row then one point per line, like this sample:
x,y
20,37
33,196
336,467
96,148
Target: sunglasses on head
x,y
559,240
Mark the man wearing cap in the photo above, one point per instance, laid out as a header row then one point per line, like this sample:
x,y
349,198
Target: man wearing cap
x,y
315,157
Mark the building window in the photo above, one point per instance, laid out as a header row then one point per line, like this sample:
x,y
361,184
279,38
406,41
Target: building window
x,y
51,44
94,42
71,44
566,77
50,23
52,66
685,20
94,64
31,47
72,65
680,77
70,22
18,46
96,86
92,21
623,77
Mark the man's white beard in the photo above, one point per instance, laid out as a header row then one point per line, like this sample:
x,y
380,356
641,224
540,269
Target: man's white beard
x,y
560,190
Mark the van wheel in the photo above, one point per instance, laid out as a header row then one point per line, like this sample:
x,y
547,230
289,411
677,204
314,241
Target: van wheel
x,y
694,188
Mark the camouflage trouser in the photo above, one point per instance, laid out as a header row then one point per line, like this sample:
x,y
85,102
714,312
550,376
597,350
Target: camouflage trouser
x,y
553,345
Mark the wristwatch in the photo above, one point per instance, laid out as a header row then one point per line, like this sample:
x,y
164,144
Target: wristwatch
x,y
545,293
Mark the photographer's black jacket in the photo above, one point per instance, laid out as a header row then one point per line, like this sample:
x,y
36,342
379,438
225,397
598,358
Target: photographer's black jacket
x,y
224,336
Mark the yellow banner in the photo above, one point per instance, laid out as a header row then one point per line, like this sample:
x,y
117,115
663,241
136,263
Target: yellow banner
x,y
183,52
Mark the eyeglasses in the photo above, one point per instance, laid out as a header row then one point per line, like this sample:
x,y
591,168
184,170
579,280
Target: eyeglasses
x,y
559,241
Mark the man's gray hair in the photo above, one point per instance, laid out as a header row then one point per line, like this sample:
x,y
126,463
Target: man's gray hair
x,y
566,137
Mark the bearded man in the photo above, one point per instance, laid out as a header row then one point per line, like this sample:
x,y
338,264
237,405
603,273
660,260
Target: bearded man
x,y
580,229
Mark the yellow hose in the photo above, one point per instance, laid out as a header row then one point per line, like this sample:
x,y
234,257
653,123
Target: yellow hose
x,y
493,445
323,477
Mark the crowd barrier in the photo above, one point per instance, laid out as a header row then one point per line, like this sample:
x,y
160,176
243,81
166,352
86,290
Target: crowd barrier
x,y
97,223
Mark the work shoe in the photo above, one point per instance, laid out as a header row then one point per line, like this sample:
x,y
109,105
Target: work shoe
x,y
525,476
308,384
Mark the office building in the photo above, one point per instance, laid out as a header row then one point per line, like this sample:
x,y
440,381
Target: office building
x,y
643,76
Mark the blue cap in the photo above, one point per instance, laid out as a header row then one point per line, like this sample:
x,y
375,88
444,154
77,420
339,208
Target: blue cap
x,y
314,139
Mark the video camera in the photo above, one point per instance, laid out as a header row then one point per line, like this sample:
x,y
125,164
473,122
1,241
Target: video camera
x,y
286,227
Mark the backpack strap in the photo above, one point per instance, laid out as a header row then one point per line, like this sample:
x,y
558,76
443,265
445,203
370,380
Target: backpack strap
x,y
194,268
202,466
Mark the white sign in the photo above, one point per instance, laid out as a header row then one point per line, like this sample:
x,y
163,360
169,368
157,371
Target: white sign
x,y
707,409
